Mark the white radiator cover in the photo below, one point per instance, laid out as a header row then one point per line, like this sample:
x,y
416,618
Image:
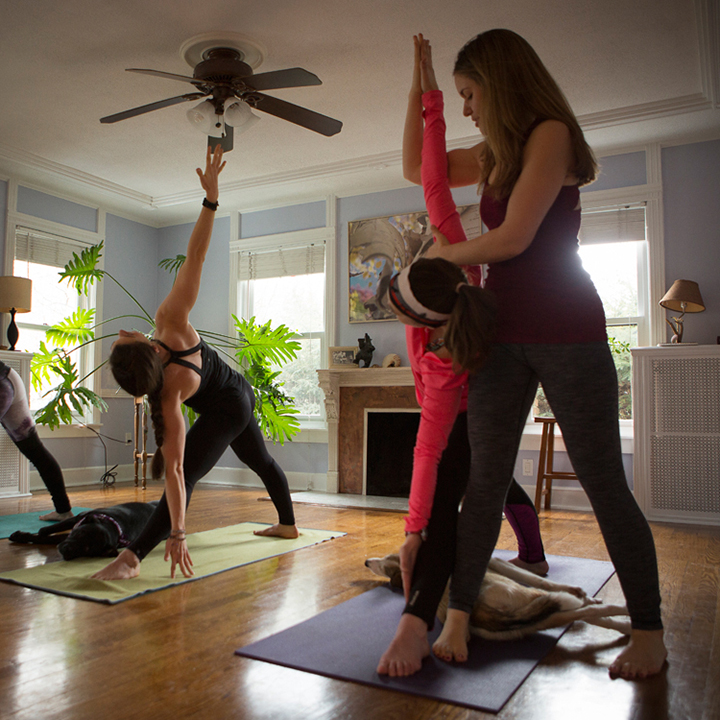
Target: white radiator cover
x,y
14,478
676,408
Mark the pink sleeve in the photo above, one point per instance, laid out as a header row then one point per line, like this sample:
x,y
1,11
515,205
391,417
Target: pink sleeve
x,y
434,173
443,391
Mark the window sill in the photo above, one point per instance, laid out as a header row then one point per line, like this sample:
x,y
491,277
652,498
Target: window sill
x,y
312,431
533,433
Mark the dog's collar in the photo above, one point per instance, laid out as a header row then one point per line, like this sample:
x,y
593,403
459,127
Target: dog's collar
x,y
122,540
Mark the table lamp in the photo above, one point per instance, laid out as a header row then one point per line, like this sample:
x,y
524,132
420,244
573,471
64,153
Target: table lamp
x,y
684,296
15,296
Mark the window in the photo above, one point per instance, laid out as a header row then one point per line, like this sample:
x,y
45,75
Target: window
x,y
282,279
614,251
41,256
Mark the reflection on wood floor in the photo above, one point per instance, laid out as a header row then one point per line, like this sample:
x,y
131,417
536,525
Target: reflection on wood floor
x,y
170,654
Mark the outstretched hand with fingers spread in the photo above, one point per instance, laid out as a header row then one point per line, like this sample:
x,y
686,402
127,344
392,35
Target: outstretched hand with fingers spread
x,y
213,167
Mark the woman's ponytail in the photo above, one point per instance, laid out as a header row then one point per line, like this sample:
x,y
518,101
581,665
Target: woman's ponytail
x,y
157,468
138,370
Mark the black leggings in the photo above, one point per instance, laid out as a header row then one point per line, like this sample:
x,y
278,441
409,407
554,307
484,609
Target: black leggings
x,y
580,383
48,468
206,441
437,554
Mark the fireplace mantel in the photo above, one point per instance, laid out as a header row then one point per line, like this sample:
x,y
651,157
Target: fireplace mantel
x,y
332,381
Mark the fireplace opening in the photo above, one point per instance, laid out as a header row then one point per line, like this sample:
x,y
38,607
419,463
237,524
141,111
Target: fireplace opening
x,y
388,454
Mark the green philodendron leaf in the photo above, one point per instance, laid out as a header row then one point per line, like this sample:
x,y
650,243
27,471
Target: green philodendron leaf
x,y
263,344
81,272
277,422
42,364
75,329
172,264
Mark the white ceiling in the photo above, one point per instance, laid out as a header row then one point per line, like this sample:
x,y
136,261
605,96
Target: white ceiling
x,y
635,71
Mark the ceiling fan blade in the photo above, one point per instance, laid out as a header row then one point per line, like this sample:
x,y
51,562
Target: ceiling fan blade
x,y
295,114
291,77
169,76
151,106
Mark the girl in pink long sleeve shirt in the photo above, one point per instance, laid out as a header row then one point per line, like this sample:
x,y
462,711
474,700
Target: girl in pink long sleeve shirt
x,y
428,297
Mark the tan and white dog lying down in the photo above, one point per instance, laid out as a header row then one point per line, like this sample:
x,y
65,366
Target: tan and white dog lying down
x,y
514,602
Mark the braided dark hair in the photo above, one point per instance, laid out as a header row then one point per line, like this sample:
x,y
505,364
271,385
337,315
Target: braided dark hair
x,y
442,286
139,371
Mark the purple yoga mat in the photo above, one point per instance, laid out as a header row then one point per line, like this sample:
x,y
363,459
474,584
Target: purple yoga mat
x,y
347,641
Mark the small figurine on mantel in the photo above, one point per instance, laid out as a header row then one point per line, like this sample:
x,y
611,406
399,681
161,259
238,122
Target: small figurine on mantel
x,y
366,351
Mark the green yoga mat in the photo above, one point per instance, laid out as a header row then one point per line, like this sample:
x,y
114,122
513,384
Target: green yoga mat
x,y
213,551
28,522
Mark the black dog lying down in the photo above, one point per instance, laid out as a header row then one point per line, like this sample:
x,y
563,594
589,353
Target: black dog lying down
x,y
93,533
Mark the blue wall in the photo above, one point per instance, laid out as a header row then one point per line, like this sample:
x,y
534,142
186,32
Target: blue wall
x,y
691,199
691,179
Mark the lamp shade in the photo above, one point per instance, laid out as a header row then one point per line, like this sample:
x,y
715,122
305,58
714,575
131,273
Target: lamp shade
x,y
15,294
683,291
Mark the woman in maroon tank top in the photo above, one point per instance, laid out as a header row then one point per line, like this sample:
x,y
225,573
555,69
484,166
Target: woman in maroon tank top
x,y
531,163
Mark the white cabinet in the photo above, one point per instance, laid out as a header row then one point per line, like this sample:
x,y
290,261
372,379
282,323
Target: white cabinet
x,y
676,410
14,479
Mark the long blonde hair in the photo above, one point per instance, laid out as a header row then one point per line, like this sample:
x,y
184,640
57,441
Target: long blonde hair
x,y
517,91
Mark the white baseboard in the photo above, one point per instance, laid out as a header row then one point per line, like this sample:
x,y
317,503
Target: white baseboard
x,y
242,477
75,477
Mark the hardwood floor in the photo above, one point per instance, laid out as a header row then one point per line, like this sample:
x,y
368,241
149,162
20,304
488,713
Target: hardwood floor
x,y
170,654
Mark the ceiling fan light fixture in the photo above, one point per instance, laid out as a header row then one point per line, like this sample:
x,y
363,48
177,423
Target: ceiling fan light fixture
x,y
203,117
239,115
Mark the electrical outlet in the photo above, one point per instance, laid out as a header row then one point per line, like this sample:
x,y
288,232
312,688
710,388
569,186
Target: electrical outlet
x,y
128,438
527,467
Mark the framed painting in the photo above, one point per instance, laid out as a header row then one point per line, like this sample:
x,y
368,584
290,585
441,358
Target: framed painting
x,y
382,246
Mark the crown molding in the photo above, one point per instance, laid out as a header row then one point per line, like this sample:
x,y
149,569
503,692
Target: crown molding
x,y
136,205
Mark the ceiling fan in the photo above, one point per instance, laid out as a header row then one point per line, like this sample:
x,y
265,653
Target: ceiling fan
x,y
232,91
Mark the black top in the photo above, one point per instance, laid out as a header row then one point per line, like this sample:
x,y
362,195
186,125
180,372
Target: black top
x,y
219,383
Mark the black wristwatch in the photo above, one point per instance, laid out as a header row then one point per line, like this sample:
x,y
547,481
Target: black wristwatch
x,y
210,205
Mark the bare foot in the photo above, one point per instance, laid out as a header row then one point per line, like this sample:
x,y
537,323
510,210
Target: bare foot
x,y
538,568
289,532
407,650
125,566
453,640
644,656
55,516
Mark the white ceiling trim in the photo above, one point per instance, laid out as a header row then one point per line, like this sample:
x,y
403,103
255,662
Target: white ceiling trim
x,y
58,170
708,23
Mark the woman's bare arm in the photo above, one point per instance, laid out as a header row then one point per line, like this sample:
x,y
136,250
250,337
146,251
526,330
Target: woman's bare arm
x,y
175,309
173,452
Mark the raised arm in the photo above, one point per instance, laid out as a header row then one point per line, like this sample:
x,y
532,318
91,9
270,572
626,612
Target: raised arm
x,y
463,163
413,132
175,309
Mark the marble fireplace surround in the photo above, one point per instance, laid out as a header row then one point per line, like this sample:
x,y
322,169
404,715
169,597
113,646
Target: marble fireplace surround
x,y
348,393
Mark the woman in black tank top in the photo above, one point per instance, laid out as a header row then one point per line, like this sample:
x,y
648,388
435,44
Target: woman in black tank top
x,y
177,367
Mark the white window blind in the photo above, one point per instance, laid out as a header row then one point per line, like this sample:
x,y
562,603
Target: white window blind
x,y
626,224
281,262
53,250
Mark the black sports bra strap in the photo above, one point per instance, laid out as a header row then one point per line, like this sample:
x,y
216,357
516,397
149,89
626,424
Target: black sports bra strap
x,y
177,355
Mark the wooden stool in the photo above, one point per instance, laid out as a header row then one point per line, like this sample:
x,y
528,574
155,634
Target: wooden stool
x,y
140,431
546,474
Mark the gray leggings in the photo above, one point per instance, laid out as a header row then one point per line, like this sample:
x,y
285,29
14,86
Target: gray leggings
x,y
580,383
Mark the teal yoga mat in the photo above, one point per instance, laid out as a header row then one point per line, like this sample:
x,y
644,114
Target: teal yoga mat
x,y
27,522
